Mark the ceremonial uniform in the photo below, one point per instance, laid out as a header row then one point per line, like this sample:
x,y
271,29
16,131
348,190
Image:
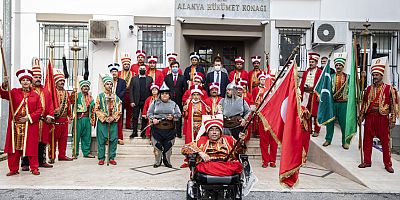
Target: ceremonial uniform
x,y
85,120
62,116
234,109
213,102
163,134
190,71
150,100
22,138
126,75
193,115
268,145
44,128
119,88
157,75
253,74
135,67
340,89
168,70
238,74
186,96
310,79
218,152
107,105
380,107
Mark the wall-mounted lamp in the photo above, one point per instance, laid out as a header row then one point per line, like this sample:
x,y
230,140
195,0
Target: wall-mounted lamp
x,y
131,28
223,16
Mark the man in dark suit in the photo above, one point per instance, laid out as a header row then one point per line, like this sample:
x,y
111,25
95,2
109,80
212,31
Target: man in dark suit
x,y
119,88
139,90
217,76
177,85
193,68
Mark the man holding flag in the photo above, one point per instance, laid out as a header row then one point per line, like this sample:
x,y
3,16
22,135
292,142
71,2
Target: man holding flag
x,y
308,81
333,90
282,116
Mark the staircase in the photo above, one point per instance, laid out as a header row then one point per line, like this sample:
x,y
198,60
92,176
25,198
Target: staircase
x,y
138,147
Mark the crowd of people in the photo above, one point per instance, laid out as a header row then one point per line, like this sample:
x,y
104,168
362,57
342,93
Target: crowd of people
x,y
173,103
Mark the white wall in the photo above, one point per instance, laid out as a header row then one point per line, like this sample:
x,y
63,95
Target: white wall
x,y
336,10
26,29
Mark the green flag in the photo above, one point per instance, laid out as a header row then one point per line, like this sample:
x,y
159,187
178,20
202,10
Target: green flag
x,y
351,112
324,91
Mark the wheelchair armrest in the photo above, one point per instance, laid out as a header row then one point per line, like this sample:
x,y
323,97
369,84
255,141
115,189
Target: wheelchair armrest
x,y
192,160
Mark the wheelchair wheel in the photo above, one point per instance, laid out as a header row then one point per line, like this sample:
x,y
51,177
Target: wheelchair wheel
x,y
190,187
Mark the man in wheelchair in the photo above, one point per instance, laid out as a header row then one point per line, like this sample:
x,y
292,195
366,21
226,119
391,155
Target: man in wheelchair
x,y
213,174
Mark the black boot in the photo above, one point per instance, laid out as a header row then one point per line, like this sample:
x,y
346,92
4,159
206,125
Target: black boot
x,y
165,161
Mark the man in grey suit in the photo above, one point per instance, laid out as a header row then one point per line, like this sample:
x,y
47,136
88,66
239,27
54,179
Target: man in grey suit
x,y
139,91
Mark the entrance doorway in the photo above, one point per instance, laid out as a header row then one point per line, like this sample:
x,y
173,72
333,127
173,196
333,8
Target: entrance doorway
x,y
226,49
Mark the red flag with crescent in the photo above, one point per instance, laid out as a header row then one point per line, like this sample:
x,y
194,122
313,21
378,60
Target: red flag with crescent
x,y
50,85
281,115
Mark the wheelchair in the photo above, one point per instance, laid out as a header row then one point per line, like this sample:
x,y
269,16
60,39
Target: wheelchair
x,y
203,186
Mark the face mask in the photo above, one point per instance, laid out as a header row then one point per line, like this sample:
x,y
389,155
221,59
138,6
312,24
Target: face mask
x,y
175,70
217,68
142,72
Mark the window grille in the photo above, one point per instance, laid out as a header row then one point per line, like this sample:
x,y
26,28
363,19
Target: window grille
x,y
151,39
62,35
384,43
289,38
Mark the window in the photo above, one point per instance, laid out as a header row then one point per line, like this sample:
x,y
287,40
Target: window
x,y
289,38
206,56
384,43
151,39
61,35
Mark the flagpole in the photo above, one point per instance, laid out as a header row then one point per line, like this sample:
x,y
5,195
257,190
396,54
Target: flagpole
x,y
294,52
365,33
5,76
75,49
52,130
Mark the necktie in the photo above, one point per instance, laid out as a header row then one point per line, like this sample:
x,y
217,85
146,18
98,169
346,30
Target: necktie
x,y
217,77
174,79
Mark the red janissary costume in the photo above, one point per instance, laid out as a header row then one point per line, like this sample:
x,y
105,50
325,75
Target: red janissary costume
x,y
236,74
127,76
147,104
212,102
253,74
310,78
193,116
167,69
186,96
268,145
61,118
218,151
380,107
22,138
135,67
157,75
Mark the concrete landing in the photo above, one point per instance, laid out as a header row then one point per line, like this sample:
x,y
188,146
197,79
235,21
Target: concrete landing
x,y
345,163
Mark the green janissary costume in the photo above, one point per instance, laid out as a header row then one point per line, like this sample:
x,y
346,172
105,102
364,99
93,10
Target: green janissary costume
x,y
340,89
107,105
85,120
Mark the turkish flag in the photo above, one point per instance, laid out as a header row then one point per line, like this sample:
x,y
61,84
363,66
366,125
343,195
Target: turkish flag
x,y
281,115
50,85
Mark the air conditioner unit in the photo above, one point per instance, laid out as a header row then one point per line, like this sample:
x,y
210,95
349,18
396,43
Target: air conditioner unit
x,y
103,30
325,32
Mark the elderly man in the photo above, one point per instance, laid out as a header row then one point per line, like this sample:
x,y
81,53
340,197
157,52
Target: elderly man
x,y
216,147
